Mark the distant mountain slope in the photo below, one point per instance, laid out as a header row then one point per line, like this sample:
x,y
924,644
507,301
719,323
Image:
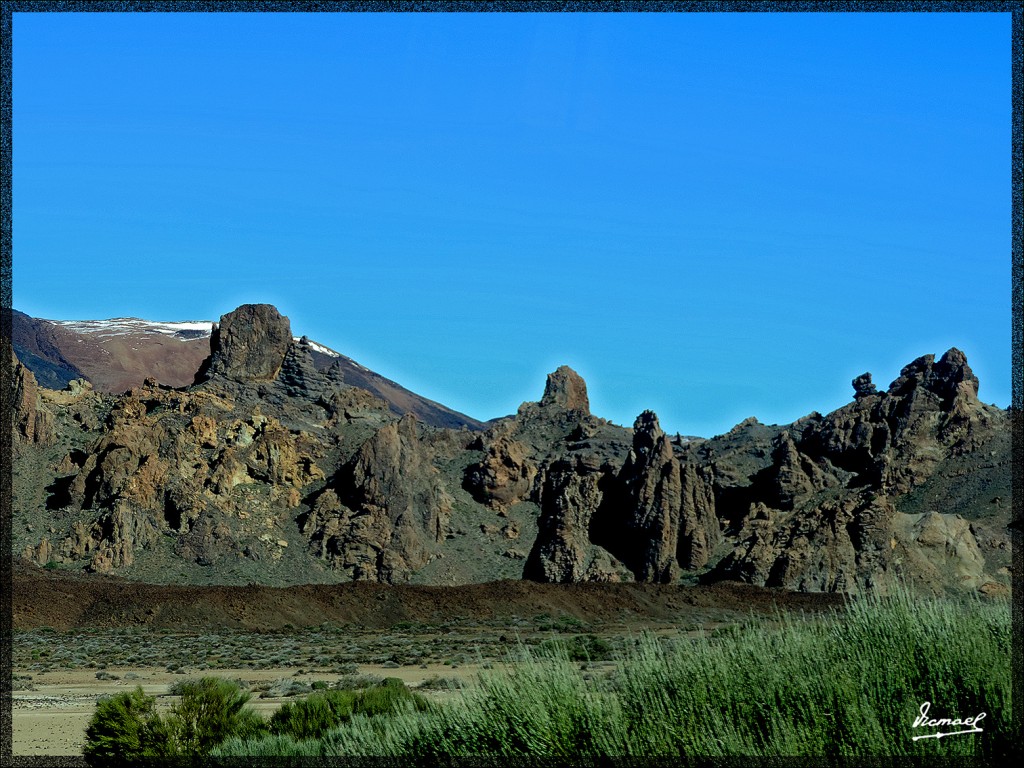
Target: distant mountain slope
x,y
37,345
118,354
121,353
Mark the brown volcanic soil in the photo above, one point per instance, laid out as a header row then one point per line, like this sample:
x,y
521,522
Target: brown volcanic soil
x,y
118,363
61,600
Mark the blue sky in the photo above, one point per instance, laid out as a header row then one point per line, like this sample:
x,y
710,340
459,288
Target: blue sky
x,y
710,215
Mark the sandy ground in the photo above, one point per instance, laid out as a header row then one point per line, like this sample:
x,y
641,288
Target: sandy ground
x,y
51,720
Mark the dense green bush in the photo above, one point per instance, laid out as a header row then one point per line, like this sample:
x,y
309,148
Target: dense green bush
x,y
212,710
321,711
124,729
127,728
582,647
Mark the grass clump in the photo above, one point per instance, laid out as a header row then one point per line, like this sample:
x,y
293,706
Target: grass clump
x,y
847,685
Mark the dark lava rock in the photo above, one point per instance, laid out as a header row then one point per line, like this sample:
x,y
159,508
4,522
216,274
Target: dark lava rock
x,y
248,345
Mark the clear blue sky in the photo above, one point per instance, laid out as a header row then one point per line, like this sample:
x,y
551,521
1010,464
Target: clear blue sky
x,y
710,215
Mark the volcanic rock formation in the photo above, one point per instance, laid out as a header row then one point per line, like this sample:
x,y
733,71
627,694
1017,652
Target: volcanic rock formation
x,y
566,389
829,517
274,468
248,345
32,422
385,511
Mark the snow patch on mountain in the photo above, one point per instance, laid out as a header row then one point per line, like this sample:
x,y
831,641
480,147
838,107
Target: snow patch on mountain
x,y
125,326
318,347
187,331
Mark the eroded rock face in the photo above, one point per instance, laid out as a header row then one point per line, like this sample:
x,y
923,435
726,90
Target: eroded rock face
x,y
647,520
566,389
823,516
299,374
936,551
384,512
651,492
33,423
169,462
564,551
796,475
303,471
839,546
249,344
504,477
671,521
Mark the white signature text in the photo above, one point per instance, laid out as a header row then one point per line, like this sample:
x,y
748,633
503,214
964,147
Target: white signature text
x,y
966,724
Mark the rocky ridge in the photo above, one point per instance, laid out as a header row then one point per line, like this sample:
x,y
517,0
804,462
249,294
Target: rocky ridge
x,y
120,354
271,469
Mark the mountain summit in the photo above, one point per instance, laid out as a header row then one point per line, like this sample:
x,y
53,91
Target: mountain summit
x,y
119,354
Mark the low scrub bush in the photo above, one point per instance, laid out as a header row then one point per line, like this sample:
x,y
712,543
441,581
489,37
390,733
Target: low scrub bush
x,y
582,647
321,711
124,730
438,683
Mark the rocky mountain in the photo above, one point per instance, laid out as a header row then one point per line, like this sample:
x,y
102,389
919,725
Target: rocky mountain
x,y
270,468
118,354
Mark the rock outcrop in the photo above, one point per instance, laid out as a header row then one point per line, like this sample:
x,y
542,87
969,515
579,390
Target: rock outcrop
x,y
169,463
504,477
299,374
33,423
648,518
566,389
572,501
650,489
384,512
248,345
824,516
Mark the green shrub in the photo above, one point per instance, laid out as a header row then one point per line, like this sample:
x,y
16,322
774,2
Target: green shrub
x,y
212,710
311,717
387,698
318,713
438,683
124,729
127,729
581,647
